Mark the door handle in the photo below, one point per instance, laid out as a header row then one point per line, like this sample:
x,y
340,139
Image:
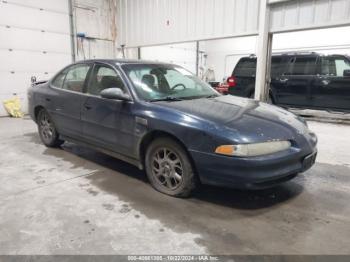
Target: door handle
x,y
47,99
325,82
284,80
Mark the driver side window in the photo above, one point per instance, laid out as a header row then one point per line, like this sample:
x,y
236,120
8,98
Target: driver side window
x,y
104,77
176,79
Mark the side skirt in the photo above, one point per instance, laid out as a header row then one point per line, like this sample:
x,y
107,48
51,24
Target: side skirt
x,y
127,159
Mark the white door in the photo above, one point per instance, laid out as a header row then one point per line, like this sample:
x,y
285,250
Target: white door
x,y
34,41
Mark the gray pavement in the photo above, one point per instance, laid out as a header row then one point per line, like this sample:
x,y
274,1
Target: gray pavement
x,y
77,201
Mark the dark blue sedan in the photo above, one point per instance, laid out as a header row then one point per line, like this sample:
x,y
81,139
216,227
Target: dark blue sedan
x,y
163,119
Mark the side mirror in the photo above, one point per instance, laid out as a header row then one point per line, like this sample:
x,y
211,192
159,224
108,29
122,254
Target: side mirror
x,y
33,80
115,93
346,73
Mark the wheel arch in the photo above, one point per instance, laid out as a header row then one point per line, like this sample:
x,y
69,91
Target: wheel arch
x,y
154,134
37,109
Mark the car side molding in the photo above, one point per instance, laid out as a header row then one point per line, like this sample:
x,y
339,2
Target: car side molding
x,y
132,161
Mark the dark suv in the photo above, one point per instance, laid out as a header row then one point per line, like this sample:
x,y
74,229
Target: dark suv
x,y
299,80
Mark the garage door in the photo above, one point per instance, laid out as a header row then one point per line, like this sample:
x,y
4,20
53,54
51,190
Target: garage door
x,y
35,41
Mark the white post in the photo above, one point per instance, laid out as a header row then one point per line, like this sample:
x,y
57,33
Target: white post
x,y
263,52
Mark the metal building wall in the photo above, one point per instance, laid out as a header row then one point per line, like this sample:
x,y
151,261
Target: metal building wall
x,y
154,22
97,20
307,14
35,41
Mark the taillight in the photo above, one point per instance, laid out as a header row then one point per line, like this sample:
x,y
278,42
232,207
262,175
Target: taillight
x,y
231,81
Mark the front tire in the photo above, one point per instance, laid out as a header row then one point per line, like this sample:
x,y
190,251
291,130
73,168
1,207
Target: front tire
x,y
47,130
169,169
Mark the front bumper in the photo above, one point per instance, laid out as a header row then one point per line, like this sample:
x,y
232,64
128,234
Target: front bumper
x,y
252,173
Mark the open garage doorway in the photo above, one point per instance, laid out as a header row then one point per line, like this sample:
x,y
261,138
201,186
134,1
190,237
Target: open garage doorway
x,y
184,54
310,69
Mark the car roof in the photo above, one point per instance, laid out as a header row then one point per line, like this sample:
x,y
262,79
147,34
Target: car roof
x,y
304,54
120,61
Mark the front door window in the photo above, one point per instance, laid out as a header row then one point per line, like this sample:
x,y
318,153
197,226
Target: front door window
x,y
104,77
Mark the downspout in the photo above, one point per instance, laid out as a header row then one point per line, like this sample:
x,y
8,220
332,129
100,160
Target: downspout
x,y
113,25
197,58
72,29
139,53
123,50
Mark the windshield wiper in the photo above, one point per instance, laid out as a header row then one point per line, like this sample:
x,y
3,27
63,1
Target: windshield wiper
x,y
167,98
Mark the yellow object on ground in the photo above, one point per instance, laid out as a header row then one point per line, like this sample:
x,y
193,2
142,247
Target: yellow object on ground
x,y
13,107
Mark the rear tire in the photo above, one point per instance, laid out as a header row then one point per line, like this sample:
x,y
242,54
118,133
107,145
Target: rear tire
x,y
169,169
47,130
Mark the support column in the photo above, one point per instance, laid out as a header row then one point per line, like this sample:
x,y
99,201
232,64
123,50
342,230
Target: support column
x,y
263,53
72,29
197,58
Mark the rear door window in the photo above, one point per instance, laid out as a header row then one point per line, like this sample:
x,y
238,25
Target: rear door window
x,y
334,66
300,65
59,79
246,67
75,78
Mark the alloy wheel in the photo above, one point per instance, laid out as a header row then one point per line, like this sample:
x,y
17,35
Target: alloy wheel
x,y
167,168
46,127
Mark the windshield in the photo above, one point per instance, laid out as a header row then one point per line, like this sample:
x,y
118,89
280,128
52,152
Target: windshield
x,y
166,82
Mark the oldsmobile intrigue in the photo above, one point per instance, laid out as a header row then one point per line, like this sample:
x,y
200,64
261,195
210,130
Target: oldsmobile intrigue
x,y
163,119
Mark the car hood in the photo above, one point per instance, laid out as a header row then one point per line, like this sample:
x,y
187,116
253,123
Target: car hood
x,y
245,119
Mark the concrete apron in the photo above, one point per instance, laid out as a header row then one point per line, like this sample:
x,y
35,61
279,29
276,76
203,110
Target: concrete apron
x,y
77,201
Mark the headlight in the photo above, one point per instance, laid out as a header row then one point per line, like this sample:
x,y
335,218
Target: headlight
x,y
257,149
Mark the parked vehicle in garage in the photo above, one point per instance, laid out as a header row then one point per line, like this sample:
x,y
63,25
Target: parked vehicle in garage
x,y
303,80
163,119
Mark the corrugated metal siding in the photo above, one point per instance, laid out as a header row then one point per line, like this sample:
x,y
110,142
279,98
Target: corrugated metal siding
x,y
308,14
97,20
35,40
153,22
